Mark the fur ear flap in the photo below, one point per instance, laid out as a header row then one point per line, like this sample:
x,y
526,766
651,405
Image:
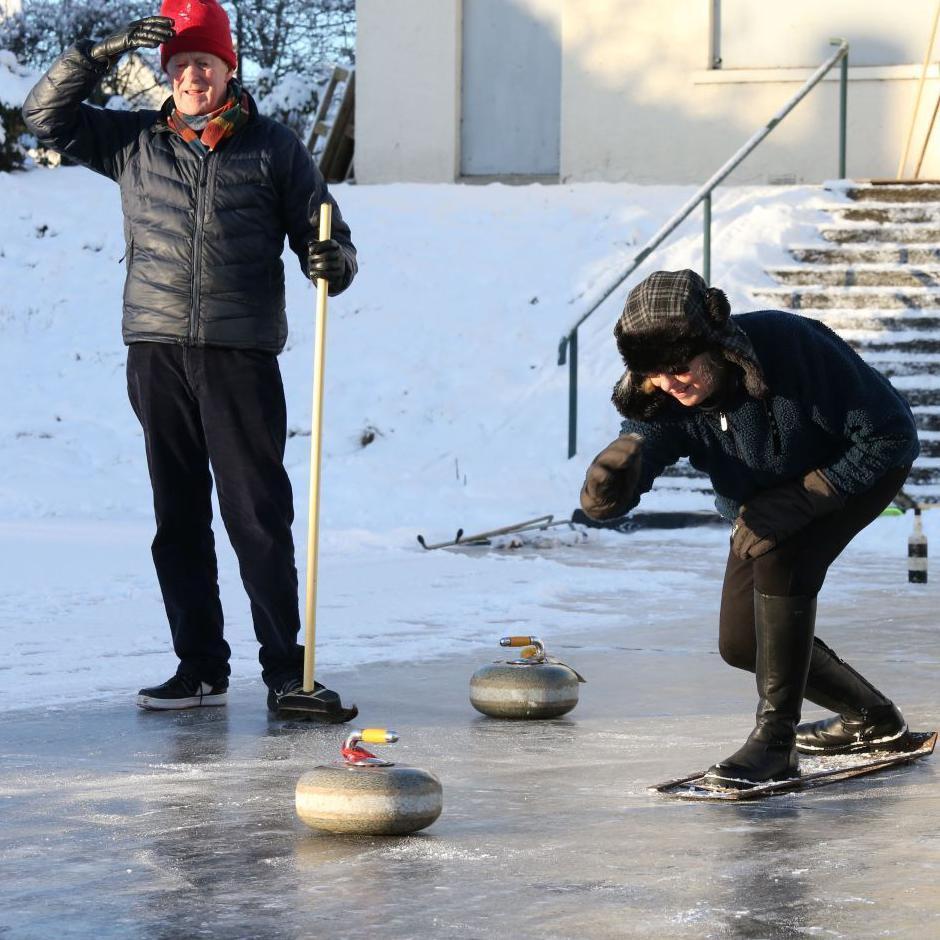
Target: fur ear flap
x,y
717,307
623,394
639,402
623,343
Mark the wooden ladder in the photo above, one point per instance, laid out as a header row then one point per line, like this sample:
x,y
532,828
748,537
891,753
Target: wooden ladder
x,y
332,138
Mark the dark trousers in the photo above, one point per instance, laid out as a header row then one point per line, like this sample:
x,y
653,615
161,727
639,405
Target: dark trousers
x,y
796,567
224,409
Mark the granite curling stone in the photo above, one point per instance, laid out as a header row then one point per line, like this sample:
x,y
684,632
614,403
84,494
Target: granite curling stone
x,y
533,686
366,795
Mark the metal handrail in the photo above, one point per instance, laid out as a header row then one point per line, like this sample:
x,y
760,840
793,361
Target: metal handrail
x,y
568,347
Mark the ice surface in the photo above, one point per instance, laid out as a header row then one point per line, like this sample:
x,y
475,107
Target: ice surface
x,y
183,825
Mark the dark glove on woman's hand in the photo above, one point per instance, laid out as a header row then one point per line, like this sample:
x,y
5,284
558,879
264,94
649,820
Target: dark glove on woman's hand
x,y
772,516
326,260
612,478
149,32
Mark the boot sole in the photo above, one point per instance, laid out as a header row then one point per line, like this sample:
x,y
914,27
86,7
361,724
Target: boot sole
x,y
177,704
900,742
739,783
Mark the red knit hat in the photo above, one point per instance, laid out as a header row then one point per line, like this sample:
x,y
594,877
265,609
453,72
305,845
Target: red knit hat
x,y
201,26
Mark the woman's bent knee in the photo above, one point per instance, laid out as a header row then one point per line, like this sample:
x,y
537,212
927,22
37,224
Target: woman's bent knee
x,y
740,656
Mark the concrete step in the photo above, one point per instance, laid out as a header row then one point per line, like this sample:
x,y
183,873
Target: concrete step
x,y
856,320
921,396
921,233
930,361
886,212
898,367
920,390
860,275
927,463
893,192
925,495
907,343
918,395
930,448
925,476
855,254
923,482
927,418
880,327
876,283
902,383
920,473
850,298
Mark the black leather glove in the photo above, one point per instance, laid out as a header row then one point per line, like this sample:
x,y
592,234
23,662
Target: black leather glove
x,y
612,478
774,515
326,260
149,32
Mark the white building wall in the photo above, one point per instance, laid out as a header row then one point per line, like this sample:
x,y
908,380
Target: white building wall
x,y
638,102
797,33
407,90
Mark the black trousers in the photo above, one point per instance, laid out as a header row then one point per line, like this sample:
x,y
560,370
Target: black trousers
x,y
796,567
224,409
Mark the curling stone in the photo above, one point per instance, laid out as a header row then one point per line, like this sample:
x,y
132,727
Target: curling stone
x,y
365,795
534,686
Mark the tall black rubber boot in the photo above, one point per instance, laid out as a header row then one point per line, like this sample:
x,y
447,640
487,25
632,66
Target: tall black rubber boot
x,y
865,720
784,632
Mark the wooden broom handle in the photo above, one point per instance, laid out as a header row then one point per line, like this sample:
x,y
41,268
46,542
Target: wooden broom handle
x,y
316,436
920,89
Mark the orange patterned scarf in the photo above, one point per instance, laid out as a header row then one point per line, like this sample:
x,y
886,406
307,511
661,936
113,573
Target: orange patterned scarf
x,y
220,125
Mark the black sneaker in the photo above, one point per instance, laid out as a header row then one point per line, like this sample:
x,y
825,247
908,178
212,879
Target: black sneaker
x,y
183,691
322,704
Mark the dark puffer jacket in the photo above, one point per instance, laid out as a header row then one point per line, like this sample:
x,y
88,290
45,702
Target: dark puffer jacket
x,y
204,234
824,409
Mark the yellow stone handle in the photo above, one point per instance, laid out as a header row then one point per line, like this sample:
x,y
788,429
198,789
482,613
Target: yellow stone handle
x,y
517,640
377,736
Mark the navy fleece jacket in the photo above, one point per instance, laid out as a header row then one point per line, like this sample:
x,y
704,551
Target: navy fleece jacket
x,y
827,410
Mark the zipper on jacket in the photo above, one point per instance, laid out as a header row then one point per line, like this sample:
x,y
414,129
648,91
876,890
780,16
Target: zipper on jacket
x,y
774,430
197,243
726,428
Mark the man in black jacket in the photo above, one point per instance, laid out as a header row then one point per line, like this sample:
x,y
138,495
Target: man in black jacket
x,y
210,189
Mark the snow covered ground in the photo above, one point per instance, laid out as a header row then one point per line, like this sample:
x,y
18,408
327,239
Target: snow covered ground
x,y
443,353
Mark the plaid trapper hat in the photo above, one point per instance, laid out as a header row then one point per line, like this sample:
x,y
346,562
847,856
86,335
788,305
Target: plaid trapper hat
x,y
670,318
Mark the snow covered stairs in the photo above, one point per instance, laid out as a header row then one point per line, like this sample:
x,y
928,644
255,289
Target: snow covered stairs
x,y
875,279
